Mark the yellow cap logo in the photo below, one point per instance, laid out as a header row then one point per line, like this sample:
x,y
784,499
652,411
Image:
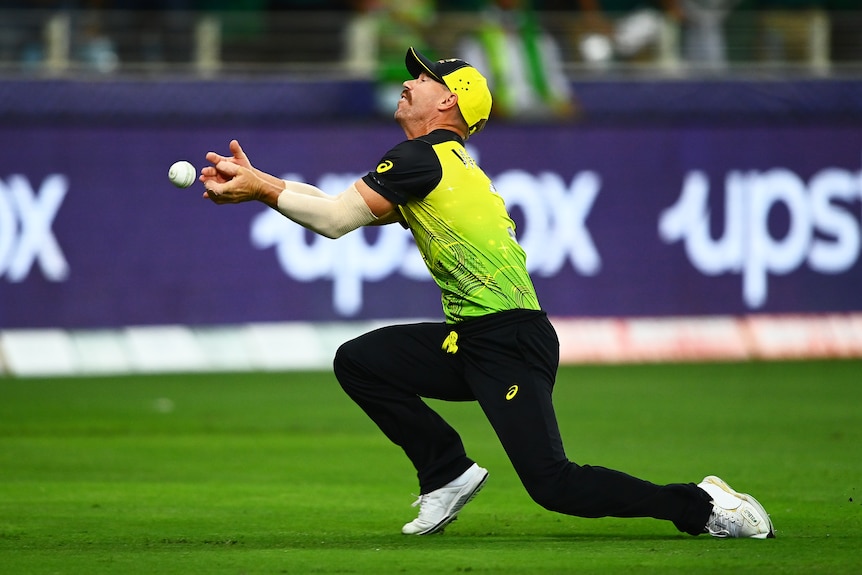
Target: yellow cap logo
x,y
513,391
384,166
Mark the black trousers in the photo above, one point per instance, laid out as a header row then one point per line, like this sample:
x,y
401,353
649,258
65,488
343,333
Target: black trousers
x,y
507,362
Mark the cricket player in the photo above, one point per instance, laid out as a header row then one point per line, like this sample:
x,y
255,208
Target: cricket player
x,y
496,345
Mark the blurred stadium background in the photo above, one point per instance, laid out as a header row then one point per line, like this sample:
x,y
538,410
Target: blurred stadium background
x,y
322,38
690,188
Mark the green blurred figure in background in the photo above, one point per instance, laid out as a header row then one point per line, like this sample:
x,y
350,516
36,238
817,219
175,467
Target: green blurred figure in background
x,y
376,38
522,62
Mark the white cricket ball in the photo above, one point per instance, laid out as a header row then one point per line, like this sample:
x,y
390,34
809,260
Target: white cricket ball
x,y
182,174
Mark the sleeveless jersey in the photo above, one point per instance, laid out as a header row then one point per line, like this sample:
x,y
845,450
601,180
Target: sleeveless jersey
x,y
460,225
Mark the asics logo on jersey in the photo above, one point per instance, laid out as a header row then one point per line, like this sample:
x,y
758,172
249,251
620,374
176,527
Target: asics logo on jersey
x,y
384,166
511,393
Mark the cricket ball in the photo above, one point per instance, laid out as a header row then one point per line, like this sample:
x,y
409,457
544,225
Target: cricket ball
x,y
182,174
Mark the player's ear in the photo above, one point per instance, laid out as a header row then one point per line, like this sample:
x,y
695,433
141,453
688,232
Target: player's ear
x,y
449,102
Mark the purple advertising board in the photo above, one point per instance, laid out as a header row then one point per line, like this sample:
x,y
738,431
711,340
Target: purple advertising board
x,y
616,221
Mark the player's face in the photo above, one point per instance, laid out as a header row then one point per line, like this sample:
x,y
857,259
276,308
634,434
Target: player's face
x,y
420,100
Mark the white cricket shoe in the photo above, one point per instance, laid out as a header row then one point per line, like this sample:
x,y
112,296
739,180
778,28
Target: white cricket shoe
x,y
735,514
440,507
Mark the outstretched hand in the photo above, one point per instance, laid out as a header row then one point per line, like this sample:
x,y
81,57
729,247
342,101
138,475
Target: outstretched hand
x,y
231,179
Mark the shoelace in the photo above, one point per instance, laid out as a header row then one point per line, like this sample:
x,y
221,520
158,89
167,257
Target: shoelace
x,y
723,521
424,509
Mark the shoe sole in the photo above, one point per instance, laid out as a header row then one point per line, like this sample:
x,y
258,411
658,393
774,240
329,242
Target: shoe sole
x,y
720,483
463,499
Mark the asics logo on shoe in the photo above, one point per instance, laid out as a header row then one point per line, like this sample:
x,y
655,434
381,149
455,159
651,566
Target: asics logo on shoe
x,y
512,392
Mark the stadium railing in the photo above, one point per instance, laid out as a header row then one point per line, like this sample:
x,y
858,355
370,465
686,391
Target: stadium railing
x,y
75,42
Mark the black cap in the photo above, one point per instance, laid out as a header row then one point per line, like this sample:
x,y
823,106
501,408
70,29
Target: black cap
x,y
474,98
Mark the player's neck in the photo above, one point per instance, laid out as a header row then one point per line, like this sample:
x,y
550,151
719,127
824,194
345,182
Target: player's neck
x,y
417,130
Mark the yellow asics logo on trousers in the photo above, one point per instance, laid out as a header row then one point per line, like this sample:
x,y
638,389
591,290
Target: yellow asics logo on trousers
x,y
450,344
513,391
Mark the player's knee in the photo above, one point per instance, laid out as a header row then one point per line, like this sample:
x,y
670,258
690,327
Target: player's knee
x,y
343,362
547,498
348,364
551,491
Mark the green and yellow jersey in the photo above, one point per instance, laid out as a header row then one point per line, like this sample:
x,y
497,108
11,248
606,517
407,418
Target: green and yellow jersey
x,y
460,225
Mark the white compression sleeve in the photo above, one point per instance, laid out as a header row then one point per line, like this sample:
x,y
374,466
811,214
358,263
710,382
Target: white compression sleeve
x,y
305,189
330,216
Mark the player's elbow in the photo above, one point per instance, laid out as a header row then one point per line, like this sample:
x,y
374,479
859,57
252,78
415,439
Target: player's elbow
x,y
334,231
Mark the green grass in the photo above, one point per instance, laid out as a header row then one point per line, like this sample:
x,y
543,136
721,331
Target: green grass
x,y
281,473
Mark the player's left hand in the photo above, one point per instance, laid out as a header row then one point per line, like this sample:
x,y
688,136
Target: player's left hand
x,y
238,156
231,179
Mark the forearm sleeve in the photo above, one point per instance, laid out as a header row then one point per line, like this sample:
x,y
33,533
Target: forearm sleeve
x,y
305,189
330,216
